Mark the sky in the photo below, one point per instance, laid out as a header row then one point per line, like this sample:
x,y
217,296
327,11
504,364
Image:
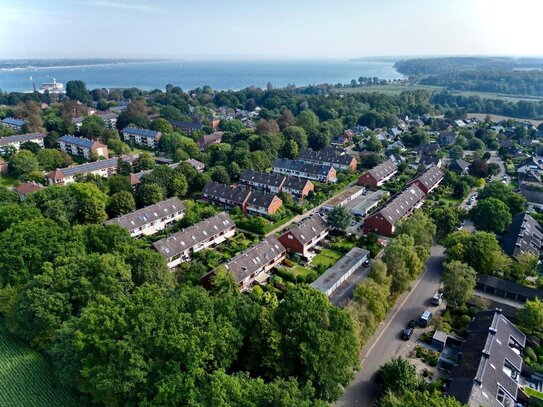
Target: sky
x,y
278,29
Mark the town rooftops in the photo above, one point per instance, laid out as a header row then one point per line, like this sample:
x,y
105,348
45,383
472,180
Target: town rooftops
x,y
193,235
492,348
196,164
460,164
61,173
295,183
141,132
524,235
383,170
207,139
403,203
308,168
187,125
326,156
509,287
261,199
151,213
80,141
226,192
21,138
309,228
254,258
270,180
13,121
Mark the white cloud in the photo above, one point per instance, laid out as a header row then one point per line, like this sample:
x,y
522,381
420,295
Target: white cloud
x,y
121,5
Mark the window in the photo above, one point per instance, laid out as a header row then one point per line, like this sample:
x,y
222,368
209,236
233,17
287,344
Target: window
x,y
504,398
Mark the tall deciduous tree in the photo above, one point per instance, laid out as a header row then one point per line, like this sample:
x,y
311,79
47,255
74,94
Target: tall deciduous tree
x,y
459,280
340,218
491,214
121,203
531,315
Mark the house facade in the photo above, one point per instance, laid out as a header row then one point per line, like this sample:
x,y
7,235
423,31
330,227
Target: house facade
x,y
333,158
151,219
180,246
297,187
82,147
187,127
225,196
378,175
254,265
102,168
304,237
263,203
262,181
297,168
383,221
16,141
12,123
142,137
208,139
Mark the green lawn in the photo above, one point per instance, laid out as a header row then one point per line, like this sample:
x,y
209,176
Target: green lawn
x,y
298,270
26,379
326,257
7,181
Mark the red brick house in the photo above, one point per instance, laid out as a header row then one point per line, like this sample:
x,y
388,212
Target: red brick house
x,y
226,196
429,180
302,238
298,187
383,222
378,175
263,203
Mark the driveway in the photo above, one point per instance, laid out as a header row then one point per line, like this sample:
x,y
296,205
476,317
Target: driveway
x,y
386,342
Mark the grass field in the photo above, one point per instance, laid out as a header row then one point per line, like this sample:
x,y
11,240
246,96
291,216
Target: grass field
x,y
393,89
326,257
531,392
26,379
6,181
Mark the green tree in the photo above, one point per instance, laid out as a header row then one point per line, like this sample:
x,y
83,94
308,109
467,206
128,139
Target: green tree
x,y
149,194
298,135
308,121
121,203
491,214
77,90
340,218
219,174
50,159
447,218
91,202
373,144
419,226
459,280
178,186
373,296
290,149
414,398
456,153
398,376
118,183
23,163
7,195
495,189
161,125
402,261
145,162
530,316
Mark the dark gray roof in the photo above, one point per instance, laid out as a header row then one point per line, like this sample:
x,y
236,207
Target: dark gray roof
x,y
186,125
430,177
13,122
383,170
295,183
142,132
309,228
21,138
210,138
524,235
401,204
331,276
428,149
509,287
460,165
308,168
325,157
482,358
252,259
261,199
78,141
446,137
270,180
195,163
193,235
216,190
151,213
531,196
96,165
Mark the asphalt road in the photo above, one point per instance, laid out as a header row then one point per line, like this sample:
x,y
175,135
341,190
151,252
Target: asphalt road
x,y
386,343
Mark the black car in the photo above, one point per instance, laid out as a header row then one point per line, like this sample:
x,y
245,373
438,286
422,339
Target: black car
x,y
412,324
406,333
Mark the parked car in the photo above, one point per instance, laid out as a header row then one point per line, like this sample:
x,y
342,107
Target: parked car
x,y
412,324
406,333
425,319
437,298
366,263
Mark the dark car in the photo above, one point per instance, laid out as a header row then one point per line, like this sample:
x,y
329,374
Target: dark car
x,y
406,333
412,324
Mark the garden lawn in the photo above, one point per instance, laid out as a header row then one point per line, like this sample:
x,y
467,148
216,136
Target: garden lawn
x,y
7,181
298,270
326,257
531,392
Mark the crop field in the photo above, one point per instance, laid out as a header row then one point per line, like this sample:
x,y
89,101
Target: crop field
x,y
26,380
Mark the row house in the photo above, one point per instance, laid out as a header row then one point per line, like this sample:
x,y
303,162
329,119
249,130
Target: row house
x,y
304,237
12,123
226,196
102,168
151,219
333,158
187,127
254,265
384,220
197,165
109,119
180,246
142,137
378,175
525,235
276,183
16,141
297,168
429,180
82,147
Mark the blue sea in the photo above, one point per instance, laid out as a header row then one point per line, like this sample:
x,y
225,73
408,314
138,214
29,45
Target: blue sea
x,y
191,74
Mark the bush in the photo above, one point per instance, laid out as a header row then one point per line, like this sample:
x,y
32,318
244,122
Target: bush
x,y
288,263
433,361
464,321
529,353
310,277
